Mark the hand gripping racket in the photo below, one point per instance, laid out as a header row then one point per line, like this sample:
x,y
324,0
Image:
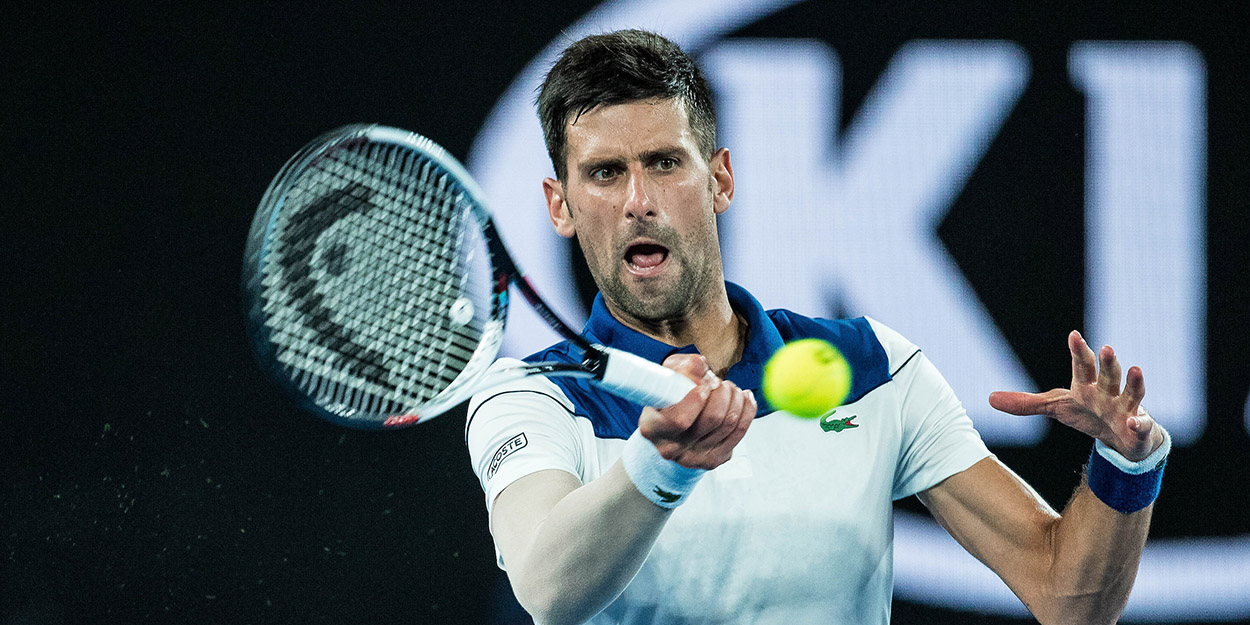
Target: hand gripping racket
x,y
376,287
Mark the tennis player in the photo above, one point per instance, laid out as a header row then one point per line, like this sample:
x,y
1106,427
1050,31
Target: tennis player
x,y
719,509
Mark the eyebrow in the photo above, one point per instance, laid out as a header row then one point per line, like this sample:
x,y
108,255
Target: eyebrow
x,y
649,156
654,155
613,163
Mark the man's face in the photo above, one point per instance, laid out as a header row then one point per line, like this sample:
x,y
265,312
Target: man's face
x,y
643,204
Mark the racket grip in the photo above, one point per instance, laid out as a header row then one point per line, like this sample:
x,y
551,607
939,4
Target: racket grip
x,y
637,379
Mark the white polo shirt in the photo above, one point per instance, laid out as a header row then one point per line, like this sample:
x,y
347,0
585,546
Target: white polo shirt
x,y
797,527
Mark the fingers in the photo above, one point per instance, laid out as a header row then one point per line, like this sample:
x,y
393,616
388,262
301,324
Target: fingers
x,y
1104,371
1084,367
1141,423
675,419
745,419
733,410
693,366
701,430
715,411
722,423
1134,390
1108,371
1143,426
1145,436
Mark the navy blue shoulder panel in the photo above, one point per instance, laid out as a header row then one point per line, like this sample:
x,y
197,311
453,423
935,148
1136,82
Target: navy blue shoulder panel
x,y
609,415
613,417
870,365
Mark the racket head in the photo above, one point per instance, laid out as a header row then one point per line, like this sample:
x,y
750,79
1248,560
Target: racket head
x,y
370,288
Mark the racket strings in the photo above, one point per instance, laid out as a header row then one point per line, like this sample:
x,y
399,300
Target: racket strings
x,y
436,270
368,317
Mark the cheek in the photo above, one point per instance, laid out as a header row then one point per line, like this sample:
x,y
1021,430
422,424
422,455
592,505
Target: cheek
x,y
697,191
593,226
593,235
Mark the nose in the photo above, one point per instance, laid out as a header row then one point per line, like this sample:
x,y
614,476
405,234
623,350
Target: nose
x,y
638,204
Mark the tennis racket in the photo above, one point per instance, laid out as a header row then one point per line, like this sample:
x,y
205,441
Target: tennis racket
x,y
376,287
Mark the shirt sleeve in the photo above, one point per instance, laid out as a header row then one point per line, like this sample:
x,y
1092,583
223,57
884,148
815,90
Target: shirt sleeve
x,y
518,429
938,438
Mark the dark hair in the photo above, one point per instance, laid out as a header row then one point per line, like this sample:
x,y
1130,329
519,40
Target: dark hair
x,y
615,68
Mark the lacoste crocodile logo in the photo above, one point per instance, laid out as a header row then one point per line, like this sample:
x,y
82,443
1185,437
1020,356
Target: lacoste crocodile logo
x,y
828,424
666,496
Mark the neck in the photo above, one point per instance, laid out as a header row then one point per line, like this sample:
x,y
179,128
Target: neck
x,y
713,328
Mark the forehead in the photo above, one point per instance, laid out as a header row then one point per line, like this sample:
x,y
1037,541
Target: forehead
x,y
629,129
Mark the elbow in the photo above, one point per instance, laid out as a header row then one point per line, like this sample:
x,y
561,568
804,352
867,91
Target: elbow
x,y
1089,596
547,605
1077,616
1094,608
552,614
543,607
544,613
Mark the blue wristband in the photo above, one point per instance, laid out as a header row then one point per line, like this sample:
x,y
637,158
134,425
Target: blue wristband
x,y
664,482
1123,485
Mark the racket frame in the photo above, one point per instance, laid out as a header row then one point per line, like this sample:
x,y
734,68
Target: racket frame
x,y
620,372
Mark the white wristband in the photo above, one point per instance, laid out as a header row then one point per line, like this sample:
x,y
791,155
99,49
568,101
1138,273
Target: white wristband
x,y
664,482
1148,463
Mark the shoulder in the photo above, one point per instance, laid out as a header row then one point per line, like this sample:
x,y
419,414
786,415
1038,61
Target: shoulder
x,y
874,351
534,394
609,416
898,349
535,385
564,351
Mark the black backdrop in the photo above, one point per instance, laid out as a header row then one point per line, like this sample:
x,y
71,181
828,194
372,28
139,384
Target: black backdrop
x,y
150,472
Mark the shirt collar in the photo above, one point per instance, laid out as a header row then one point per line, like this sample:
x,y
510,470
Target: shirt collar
x,y
762,337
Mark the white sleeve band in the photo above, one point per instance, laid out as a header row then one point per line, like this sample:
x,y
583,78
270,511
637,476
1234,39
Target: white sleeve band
x,y
664,482
1149,463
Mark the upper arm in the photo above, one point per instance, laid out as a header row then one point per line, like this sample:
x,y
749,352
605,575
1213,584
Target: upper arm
x,y
999,519
520,508
937,438
523,438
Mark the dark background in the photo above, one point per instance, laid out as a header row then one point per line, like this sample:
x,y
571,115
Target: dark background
x,y
152,474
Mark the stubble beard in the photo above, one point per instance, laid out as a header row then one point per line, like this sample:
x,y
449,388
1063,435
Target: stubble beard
x,y
668,300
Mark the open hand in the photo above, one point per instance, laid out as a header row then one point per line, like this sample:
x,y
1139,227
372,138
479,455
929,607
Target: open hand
x,y
1095,404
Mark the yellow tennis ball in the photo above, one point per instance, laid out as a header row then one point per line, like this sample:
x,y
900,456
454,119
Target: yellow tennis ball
x,y
807,378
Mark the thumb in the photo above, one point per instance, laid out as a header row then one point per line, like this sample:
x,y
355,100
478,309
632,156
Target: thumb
x,y
1022,404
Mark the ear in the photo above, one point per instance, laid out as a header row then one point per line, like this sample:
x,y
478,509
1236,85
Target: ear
x,y
558,208
722,180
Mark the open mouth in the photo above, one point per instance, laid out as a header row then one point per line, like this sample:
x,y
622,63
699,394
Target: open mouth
x,y
645,259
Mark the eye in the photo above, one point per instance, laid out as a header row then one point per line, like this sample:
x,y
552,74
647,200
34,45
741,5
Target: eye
x,y
666,164
601,173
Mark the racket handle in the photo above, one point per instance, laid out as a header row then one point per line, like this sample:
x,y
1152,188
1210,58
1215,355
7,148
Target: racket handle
x,y
637,379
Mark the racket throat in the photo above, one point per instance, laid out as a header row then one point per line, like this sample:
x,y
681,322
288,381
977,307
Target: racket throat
x,y
635,378
595,362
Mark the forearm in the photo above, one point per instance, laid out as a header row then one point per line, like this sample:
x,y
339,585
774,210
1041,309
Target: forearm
x,y
1098,541
1074,567
1095,554
572,548
586,550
